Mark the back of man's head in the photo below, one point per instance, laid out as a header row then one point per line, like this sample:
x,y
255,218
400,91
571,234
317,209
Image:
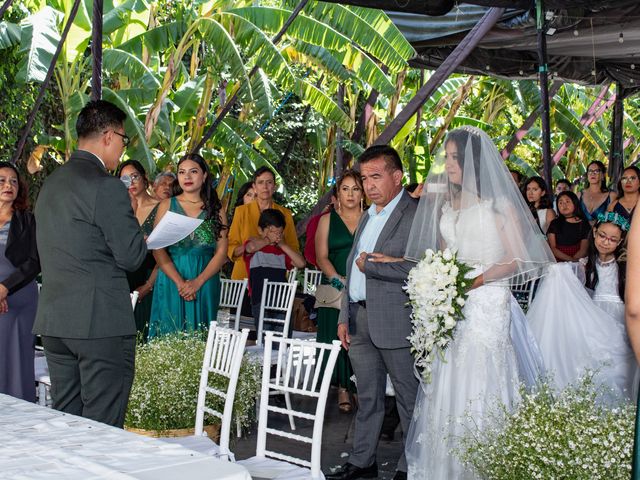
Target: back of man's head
x,y
96,117
271,217
389,154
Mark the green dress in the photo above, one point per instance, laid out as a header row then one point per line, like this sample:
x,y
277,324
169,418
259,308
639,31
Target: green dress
x,y
136,279
169,311
340,242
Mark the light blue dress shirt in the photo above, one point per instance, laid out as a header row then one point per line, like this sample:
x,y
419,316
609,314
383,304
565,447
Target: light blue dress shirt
x,y
367,243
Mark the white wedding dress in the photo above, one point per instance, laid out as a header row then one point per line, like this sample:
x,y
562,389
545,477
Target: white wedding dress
x,y
576,332
480,368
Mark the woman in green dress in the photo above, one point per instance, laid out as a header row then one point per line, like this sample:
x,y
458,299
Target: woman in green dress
x,y
334,239
187,290
143,279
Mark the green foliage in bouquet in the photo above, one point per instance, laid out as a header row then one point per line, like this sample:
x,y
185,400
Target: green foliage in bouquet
x,y
570,435
165,387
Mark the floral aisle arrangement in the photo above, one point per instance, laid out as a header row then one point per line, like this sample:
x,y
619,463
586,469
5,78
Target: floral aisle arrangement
x,y
437,290
167,377
565,436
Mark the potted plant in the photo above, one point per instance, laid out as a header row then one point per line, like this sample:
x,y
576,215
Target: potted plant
x,y
165,387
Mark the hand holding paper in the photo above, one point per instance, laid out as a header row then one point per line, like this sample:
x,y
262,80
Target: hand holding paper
x,y
172,228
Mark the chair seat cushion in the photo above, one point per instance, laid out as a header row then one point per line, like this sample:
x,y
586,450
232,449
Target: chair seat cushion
x,y
260,467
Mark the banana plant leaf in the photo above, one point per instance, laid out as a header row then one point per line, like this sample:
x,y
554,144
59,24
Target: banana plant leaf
x,y
39,41
9,35
124,63
187,98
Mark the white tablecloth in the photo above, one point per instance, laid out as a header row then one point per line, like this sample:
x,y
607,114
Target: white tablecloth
x,y
41,443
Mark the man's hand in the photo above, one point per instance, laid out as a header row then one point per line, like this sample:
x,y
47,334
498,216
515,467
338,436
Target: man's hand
x,y
343,335
360,261
382,258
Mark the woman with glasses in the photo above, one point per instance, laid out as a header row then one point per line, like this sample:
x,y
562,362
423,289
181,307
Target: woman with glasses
x,y
142,280
596,197
628,191
577,331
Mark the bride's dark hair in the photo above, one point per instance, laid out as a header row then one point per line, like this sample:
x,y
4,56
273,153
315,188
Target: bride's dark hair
x,y
460,137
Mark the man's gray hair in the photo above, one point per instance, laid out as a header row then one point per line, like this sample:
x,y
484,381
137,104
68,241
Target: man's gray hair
x,y
161,175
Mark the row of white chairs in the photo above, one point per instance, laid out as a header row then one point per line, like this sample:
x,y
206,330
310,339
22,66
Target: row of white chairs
x,y
297,372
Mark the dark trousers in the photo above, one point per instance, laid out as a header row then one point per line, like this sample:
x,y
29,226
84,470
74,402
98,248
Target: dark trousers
x,y
92,377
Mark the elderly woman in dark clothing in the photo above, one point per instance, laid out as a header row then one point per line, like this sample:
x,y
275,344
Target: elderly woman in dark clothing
x,y
19,266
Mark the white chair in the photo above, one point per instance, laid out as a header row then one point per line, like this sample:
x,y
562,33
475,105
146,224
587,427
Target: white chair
x,y
311,281
232,295
296,374
292,274
523,290
277,297
223,356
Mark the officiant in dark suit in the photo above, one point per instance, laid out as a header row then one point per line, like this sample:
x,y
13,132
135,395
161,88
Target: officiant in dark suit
x,y
374,320
88,237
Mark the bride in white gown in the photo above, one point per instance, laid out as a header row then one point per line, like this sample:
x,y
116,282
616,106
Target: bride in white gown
x,y
471,203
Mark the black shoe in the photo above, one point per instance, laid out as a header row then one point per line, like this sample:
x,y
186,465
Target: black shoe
x,y
349,471
400,475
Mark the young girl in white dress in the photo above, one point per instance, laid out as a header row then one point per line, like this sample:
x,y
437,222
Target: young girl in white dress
x,y
577,332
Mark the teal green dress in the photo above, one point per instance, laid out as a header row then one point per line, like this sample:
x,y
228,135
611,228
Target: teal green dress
x,y
340,242
170,312
142,312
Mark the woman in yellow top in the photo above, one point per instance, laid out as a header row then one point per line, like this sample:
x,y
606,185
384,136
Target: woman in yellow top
x,y
245,220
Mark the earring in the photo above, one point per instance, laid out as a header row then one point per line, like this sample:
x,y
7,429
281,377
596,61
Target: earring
x,y
339,206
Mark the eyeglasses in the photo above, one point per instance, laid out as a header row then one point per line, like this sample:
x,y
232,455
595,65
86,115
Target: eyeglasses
x,y
631,178
594,172
135,178
606,239
125,138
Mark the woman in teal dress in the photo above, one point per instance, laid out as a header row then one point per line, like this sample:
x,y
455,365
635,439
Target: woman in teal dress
x,y
334,239
142,280
187,289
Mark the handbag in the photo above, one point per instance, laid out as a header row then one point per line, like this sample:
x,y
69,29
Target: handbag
x,y
328,296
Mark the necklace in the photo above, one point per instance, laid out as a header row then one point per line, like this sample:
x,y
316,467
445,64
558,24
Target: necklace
x,y
191,201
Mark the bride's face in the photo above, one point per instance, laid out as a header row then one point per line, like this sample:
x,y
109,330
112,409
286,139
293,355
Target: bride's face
x,y
451,165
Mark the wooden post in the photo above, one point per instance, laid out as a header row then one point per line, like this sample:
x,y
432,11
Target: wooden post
x,y
616,157
96,51
543,73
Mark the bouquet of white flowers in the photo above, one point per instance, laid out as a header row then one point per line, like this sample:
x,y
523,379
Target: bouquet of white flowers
x,y
437,288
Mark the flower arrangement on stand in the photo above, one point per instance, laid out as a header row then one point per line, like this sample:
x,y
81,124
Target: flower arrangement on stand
x,y
569,435
437,288
165,387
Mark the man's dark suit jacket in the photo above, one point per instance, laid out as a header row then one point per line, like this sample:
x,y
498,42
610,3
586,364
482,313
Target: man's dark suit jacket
x,y
87,238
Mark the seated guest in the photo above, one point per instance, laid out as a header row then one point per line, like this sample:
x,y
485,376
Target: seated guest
x,y
268,256
628,191
596,197
19,266
163,185
245,221
187,290
143,278
536,194
567,234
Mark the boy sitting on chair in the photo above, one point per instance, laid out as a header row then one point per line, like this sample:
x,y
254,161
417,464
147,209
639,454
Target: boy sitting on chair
x,y
268,257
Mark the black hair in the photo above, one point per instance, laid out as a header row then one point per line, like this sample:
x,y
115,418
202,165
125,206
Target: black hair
x,y
545,200
262,170
565,181
271,217
139,168
603,170
619,186
518,174
592,255
97,116
461,137
348,173
388,153
577,210
22,198
242,192
210,202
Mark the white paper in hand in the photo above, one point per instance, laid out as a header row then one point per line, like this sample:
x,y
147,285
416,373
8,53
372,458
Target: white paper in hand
x,y
171,229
